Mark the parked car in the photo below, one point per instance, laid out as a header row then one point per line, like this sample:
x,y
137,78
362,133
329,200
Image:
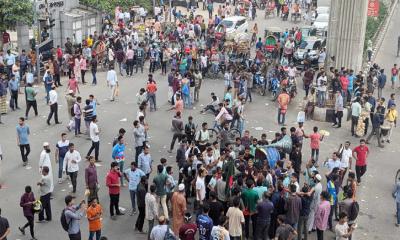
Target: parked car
x,y
309,48
232,26
321,22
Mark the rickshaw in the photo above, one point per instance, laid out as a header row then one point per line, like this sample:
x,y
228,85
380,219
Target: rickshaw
x,y
244,7
295,13
270,9
272,35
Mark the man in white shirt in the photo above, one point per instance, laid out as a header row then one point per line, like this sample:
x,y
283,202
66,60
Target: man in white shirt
x,y
201,186
112,82
45,161
53,96
94,132
346,160
71,159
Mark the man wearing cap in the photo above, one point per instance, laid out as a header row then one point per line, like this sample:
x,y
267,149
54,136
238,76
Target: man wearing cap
x,y
178,203
53,96
45,189
317,190
45,161
159,232
188,230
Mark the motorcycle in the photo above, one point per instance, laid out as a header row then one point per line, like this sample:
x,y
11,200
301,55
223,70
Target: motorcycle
x,y
259,82
292,88
274,88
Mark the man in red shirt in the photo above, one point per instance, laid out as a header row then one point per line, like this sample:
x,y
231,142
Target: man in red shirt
x,y
344,82
113,184
360,154
189,229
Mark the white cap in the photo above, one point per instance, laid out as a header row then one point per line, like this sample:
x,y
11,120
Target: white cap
x,y
181,187
46,144
318,177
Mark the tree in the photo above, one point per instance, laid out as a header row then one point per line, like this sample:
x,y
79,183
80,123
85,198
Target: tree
x,y
109,5
13,12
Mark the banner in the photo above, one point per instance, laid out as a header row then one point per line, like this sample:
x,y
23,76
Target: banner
x,y
373,8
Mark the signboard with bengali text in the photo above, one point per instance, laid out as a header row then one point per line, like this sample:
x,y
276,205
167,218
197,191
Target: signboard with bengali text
x,y
373,8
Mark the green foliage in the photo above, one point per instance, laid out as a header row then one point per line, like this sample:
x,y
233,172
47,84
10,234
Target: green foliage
x,y
373,23
109,5
12,11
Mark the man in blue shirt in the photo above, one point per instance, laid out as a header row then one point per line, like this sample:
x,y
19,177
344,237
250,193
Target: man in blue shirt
x,y
22,140
381,82
204,224
10,61
13,84
133,176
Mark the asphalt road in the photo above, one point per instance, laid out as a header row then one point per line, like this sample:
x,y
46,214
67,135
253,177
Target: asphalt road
x,y
376,219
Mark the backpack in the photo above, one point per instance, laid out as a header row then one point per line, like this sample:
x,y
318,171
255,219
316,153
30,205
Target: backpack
x,y
64,222
353,212
168,235
72,110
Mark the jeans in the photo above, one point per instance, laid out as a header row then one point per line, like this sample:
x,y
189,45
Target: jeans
x,y
321,96
98,235
248,95
77,126
331,213
360,171
247,225
164,67
25,149
138,150
31,225
140,220
30,104
320,234
83,76
121,169
14,99
354,121
60,167
114,204
129,67
53,110
73,176
262,230
302,228
152,67
94,81
139,63
377,132
196,94
398,212
163,200
338,118
133,199
186,101
76,236
178,136
151,97
151,225
281,117
45,199
95,146
315,154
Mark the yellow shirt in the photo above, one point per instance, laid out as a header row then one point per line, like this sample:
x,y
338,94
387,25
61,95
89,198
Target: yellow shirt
x,y
391,115
89,42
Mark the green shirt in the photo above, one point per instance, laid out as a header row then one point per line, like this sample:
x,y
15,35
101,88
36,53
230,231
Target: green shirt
x,y
30,94
160,182
250,199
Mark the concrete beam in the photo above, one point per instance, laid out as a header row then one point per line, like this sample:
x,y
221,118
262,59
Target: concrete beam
x,y
346,33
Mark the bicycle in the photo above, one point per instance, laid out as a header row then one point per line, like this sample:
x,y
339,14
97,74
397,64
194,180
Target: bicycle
x,y
214,133
397,178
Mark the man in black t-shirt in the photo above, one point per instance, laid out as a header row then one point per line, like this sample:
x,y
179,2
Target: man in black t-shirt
x,y
4,227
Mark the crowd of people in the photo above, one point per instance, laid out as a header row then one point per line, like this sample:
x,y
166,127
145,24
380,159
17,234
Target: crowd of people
x,y
233,187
